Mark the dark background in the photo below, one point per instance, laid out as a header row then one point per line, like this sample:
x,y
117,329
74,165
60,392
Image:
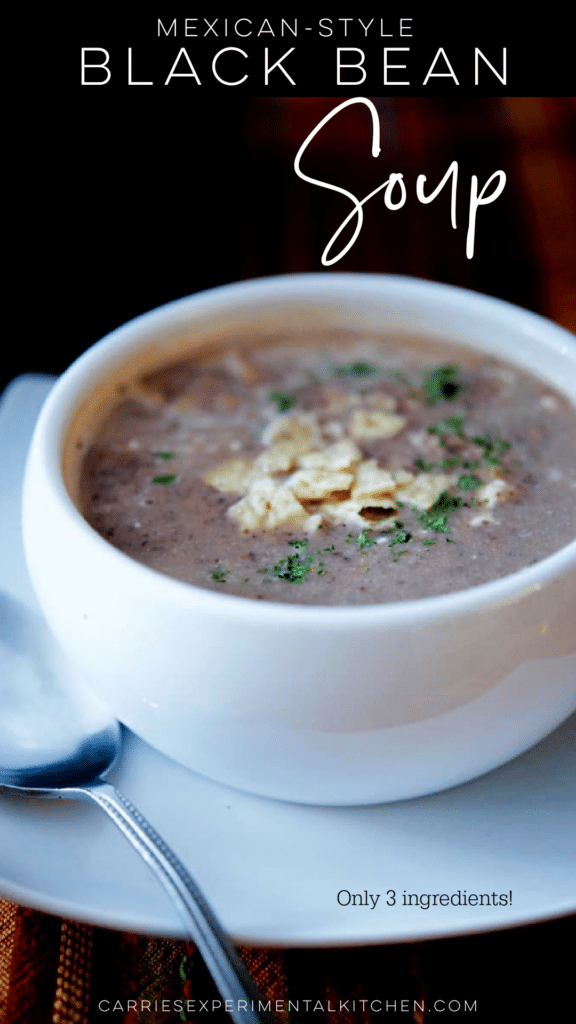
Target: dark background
x,y
123,198
138,200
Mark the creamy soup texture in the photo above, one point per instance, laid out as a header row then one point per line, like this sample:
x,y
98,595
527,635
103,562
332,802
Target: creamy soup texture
x,y
335,470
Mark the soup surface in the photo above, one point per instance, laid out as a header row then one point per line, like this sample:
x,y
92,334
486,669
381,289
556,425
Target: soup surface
x,y
334,470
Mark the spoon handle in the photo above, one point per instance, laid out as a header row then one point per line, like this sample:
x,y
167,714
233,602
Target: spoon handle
x,y
246,1004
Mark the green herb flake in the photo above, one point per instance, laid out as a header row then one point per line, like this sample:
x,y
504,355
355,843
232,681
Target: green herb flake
x,y
163,455
469,482
455,424
293,569
442,385
164,478
298,543
398,554
331,548
449,464
428,543
400,535
363,540
451,425
494,447
424,465
219,575
284,400
356,369
436,517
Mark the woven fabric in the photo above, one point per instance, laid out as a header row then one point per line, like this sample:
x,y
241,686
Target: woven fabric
x,y
62,972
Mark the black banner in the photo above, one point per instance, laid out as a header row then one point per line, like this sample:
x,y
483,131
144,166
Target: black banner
x,y
400,49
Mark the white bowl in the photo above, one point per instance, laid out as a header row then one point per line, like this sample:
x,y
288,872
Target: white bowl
x,y
312,704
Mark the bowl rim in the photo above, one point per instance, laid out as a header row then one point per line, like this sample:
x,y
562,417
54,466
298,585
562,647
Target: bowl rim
x,y
62,402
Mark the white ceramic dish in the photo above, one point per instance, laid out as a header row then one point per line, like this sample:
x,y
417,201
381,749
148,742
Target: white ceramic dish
x,y
311,704
273,870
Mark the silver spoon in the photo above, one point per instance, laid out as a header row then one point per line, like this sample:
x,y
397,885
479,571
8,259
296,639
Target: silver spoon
x,y
56,740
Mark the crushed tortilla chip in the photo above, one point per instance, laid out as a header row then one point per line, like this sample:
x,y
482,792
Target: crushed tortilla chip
x,y
301,431
329,482
425,489
496,491
372,482
234,476
372,423
267,505
333,430
339,456
481,518
312,484
378,516
280,458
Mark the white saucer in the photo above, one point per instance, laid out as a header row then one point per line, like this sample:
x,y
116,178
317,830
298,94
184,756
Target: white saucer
x,y
273,871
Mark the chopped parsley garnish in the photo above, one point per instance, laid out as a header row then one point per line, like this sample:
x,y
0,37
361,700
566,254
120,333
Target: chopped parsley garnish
x,y
398,554
356,369
451,425
399,536
446,465
494,447
436,517
424,465
284,400
469,482
442,385
428,543
163,455
294,569
363,540
164,478
298,543
331,548
219,575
